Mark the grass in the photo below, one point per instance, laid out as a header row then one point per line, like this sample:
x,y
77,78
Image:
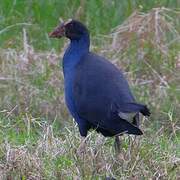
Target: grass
x,y
38,139
39,17
54,157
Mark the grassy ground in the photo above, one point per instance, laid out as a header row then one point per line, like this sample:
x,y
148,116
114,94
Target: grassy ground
x,y
38,139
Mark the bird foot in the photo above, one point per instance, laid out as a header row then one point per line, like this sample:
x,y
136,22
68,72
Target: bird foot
x,y
82,148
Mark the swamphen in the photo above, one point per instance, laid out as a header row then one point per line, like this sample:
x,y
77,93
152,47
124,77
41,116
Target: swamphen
x,y
96,92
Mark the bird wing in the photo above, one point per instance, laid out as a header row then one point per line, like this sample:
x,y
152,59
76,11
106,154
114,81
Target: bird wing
x,y
100,91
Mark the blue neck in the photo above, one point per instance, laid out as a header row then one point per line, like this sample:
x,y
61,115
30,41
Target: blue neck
x,y
74,52
72,56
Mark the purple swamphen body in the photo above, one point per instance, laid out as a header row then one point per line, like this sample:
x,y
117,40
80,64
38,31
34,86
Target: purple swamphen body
x,y
96,92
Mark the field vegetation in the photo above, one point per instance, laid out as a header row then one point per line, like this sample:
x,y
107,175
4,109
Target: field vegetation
x,y
38,137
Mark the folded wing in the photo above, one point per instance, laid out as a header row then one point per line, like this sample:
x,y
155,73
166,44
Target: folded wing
x,y
101,93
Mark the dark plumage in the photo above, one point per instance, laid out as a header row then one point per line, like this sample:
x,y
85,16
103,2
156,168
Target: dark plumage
x,y
96,92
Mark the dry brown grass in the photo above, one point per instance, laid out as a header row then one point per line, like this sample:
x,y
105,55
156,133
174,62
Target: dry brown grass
x,y
57,158
146,45
158,28
32,103
27,78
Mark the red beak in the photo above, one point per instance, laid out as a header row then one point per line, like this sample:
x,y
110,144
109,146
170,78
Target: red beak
x,y
58,32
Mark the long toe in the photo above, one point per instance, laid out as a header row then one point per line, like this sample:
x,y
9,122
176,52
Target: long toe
x,y
117,145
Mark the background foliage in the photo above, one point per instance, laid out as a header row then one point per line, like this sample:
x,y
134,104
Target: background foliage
x,y
38,139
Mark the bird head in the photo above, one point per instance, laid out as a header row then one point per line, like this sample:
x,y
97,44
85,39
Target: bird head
x,y
71,29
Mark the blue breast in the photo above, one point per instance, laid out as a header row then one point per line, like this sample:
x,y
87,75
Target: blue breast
x,y
68,85
71,58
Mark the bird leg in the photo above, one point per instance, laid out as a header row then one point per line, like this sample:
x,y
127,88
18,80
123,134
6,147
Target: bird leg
x,y
117,144
136,120
82,147
99,142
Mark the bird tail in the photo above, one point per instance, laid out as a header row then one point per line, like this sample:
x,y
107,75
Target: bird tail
x,y
129,128
124,126
136,107
145,111
117,126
